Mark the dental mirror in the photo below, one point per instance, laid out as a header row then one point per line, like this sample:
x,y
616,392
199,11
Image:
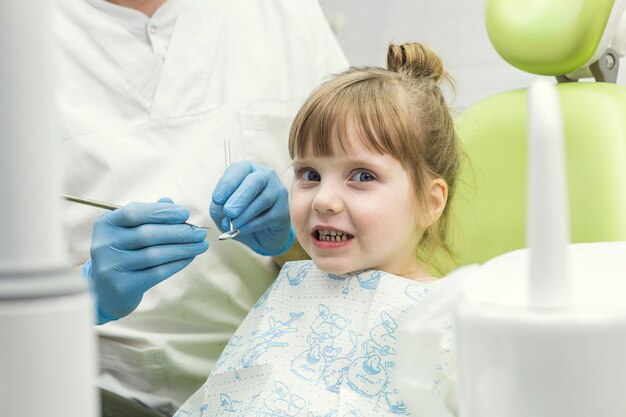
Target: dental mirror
x,y
232,232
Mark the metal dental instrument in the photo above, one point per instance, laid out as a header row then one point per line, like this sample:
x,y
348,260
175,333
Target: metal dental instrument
x,y
232,232
107,206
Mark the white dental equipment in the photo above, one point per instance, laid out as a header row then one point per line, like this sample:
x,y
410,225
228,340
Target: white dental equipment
x,y
47,347
556,345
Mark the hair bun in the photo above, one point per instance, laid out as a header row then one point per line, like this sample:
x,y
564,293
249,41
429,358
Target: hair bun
x,y
415,58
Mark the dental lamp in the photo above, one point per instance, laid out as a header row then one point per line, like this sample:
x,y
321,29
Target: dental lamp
x,y
569,39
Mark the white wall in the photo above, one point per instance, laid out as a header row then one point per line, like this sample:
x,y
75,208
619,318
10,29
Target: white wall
x,y
453,28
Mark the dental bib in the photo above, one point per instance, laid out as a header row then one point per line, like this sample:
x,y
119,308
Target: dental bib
x,y
315,344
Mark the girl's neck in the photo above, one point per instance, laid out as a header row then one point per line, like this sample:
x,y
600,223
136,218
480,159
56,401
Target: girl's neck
x,y
419,275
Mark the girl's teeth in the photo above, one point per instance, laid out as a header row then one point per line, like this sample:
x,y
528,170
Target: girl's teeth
x,y
332,235
334,238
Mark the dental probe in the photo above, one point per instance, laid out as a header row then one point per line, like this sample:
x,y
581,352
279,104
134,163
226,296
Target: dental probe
x,y
107,206
232,232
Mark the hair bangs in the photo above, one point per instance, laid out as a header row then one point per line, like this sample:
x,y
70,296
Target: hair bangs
x,y
359,108
314,131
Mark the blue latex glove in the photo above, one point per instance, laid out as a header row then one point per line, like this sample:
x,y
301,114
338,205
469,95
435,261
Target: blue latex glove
x,y
133,249
253,197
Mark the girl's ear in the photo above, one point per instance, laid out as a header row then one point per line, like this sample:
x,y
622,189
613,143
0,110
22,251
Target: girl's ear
x,y
436,200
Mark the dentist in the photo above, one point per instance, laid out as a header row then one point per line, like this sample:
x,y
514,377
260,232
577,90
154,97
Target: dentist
x,y
148,90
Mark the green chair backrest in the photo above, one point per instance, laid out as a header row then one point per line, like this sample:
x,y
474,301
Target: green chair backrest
x,y
488,211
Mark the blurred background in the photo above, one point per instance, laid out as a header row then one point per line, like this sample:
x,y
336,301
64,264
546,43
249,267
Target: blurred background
x,y
455,29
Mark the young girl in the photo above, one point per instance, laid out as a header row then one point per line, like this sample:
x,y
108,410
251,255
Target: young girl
x,y
375,157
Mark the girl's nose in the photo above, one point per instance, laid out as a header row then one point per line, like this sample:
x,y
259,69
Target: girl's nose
x,y
327,199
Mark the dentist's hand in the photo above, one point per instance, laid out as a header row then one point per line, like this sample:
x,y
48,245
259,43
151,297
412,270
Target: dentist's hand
x,y
133,249
253,197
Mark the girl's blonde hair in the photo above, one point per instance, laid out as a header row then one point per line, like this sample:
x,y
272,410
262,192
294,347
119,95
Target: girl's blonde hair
x,y
400,111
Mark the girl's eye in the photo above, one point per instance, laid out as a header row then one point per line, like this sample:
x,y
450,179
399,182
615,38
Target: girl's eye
x,y
363,176
308,174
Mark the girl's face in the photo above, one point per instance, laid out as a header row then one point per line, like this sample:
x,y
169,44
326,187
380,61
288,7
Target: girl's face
x,y
357,211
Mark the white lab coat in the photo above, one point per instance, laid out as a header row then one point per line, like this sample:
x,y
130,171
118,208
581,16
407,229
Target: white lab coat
x,y
138,125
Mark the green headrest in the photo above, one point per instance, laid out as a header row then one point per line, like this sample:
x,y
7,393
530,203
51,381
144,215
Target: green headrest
x,y
548,37
488,210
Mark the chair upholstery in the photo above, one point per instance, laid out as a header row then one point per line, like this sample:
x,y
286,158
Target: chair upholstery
x,y
488,211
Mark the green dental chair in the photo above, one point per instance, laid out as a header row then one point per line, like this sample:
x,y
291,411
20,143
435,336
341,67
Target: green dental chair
x,y
574,41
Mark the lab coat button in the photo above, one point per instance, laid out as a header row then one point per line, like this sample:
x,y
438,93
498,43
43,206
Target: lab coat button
x,y
152,29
